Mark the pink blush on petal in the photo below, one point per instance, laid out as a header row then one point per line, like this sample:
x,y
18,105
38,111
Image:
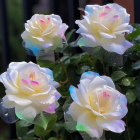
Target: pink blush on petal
x,y
107,7
41,21
102,15
34,82
116,16
105,94
24,81
51,109
48,19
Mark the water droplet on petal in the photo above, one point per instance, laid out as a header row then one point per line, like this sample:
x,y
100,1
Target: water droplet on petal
x,y
6,114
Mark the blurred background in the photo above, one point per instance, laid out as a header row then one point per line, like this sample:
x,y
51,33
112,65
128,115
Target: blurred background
x,y
14,13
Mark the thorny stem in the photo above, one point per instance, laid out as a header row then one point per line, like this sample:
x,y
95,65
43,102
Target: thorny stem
x,y
127,128
63,82
68,78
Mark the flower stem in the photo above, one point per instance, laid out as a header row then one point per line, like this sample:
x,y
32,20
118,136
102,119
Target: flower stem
x,y
68,78
127,128
63,82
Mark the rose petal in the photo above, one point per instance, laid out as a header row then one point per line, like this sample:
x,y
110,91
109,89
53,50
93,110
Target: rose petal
x,y
76,111
118,45
116,126
89,122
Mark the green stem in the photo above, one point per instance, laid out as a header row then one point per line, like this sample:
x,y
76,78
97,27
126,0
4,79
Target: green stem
x,y
63,68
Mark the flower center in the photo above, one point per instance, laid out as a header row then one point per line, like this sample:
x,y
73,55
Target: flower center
x,y
32,76
105,94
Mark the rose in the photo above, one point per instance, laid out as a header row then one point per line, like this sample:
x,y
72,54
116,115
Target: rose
x,y
97,105
44,32
105,26
30,89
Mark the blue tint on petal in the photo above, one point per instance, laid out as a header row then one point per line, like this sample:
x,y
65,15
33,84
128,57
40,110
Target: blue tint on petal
x,y
89,9
123,99
49,72
33,47
89,75
73,94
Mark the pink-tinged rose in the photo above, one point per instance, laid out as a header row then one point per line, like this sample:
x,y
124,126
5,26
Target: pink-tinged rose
x,y
43,33
105,26
97,105
30,89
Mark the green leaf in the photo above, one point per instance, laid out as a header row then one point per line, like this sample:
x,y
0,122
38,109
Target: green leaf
x,y
46,63
128,81
79,58
31,138
44,120
40,132
67,103
58,126
53,138
69,35
22,123
48,123
136,65
131,97
59,113
82,69
20,131
58,73
117,75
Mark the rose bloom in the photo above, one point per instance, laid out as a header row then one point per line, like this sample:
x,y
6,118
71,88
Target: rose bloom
x,y
105,26
44,32
30,89
97,105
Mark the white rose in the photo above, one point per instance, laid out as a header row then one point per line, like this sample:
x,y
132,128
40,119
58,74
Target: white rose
x,y
105,26
30,89
97,105
44,32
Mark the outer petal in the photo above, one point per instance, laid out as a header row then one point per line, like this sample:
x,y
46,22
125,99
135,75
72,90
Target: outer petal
x,y
7,84
88,121
89,75
27,113
17,65
122,108
76,111
116,126
51,109
90,9
19,100
118,45
76,96
87,40
83,89
109,81
12,75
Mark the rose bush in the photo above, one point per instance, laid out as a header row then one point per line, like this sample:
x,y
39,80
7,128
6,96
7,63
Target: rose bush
x,y
30,89
105,26
44,32
97,105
